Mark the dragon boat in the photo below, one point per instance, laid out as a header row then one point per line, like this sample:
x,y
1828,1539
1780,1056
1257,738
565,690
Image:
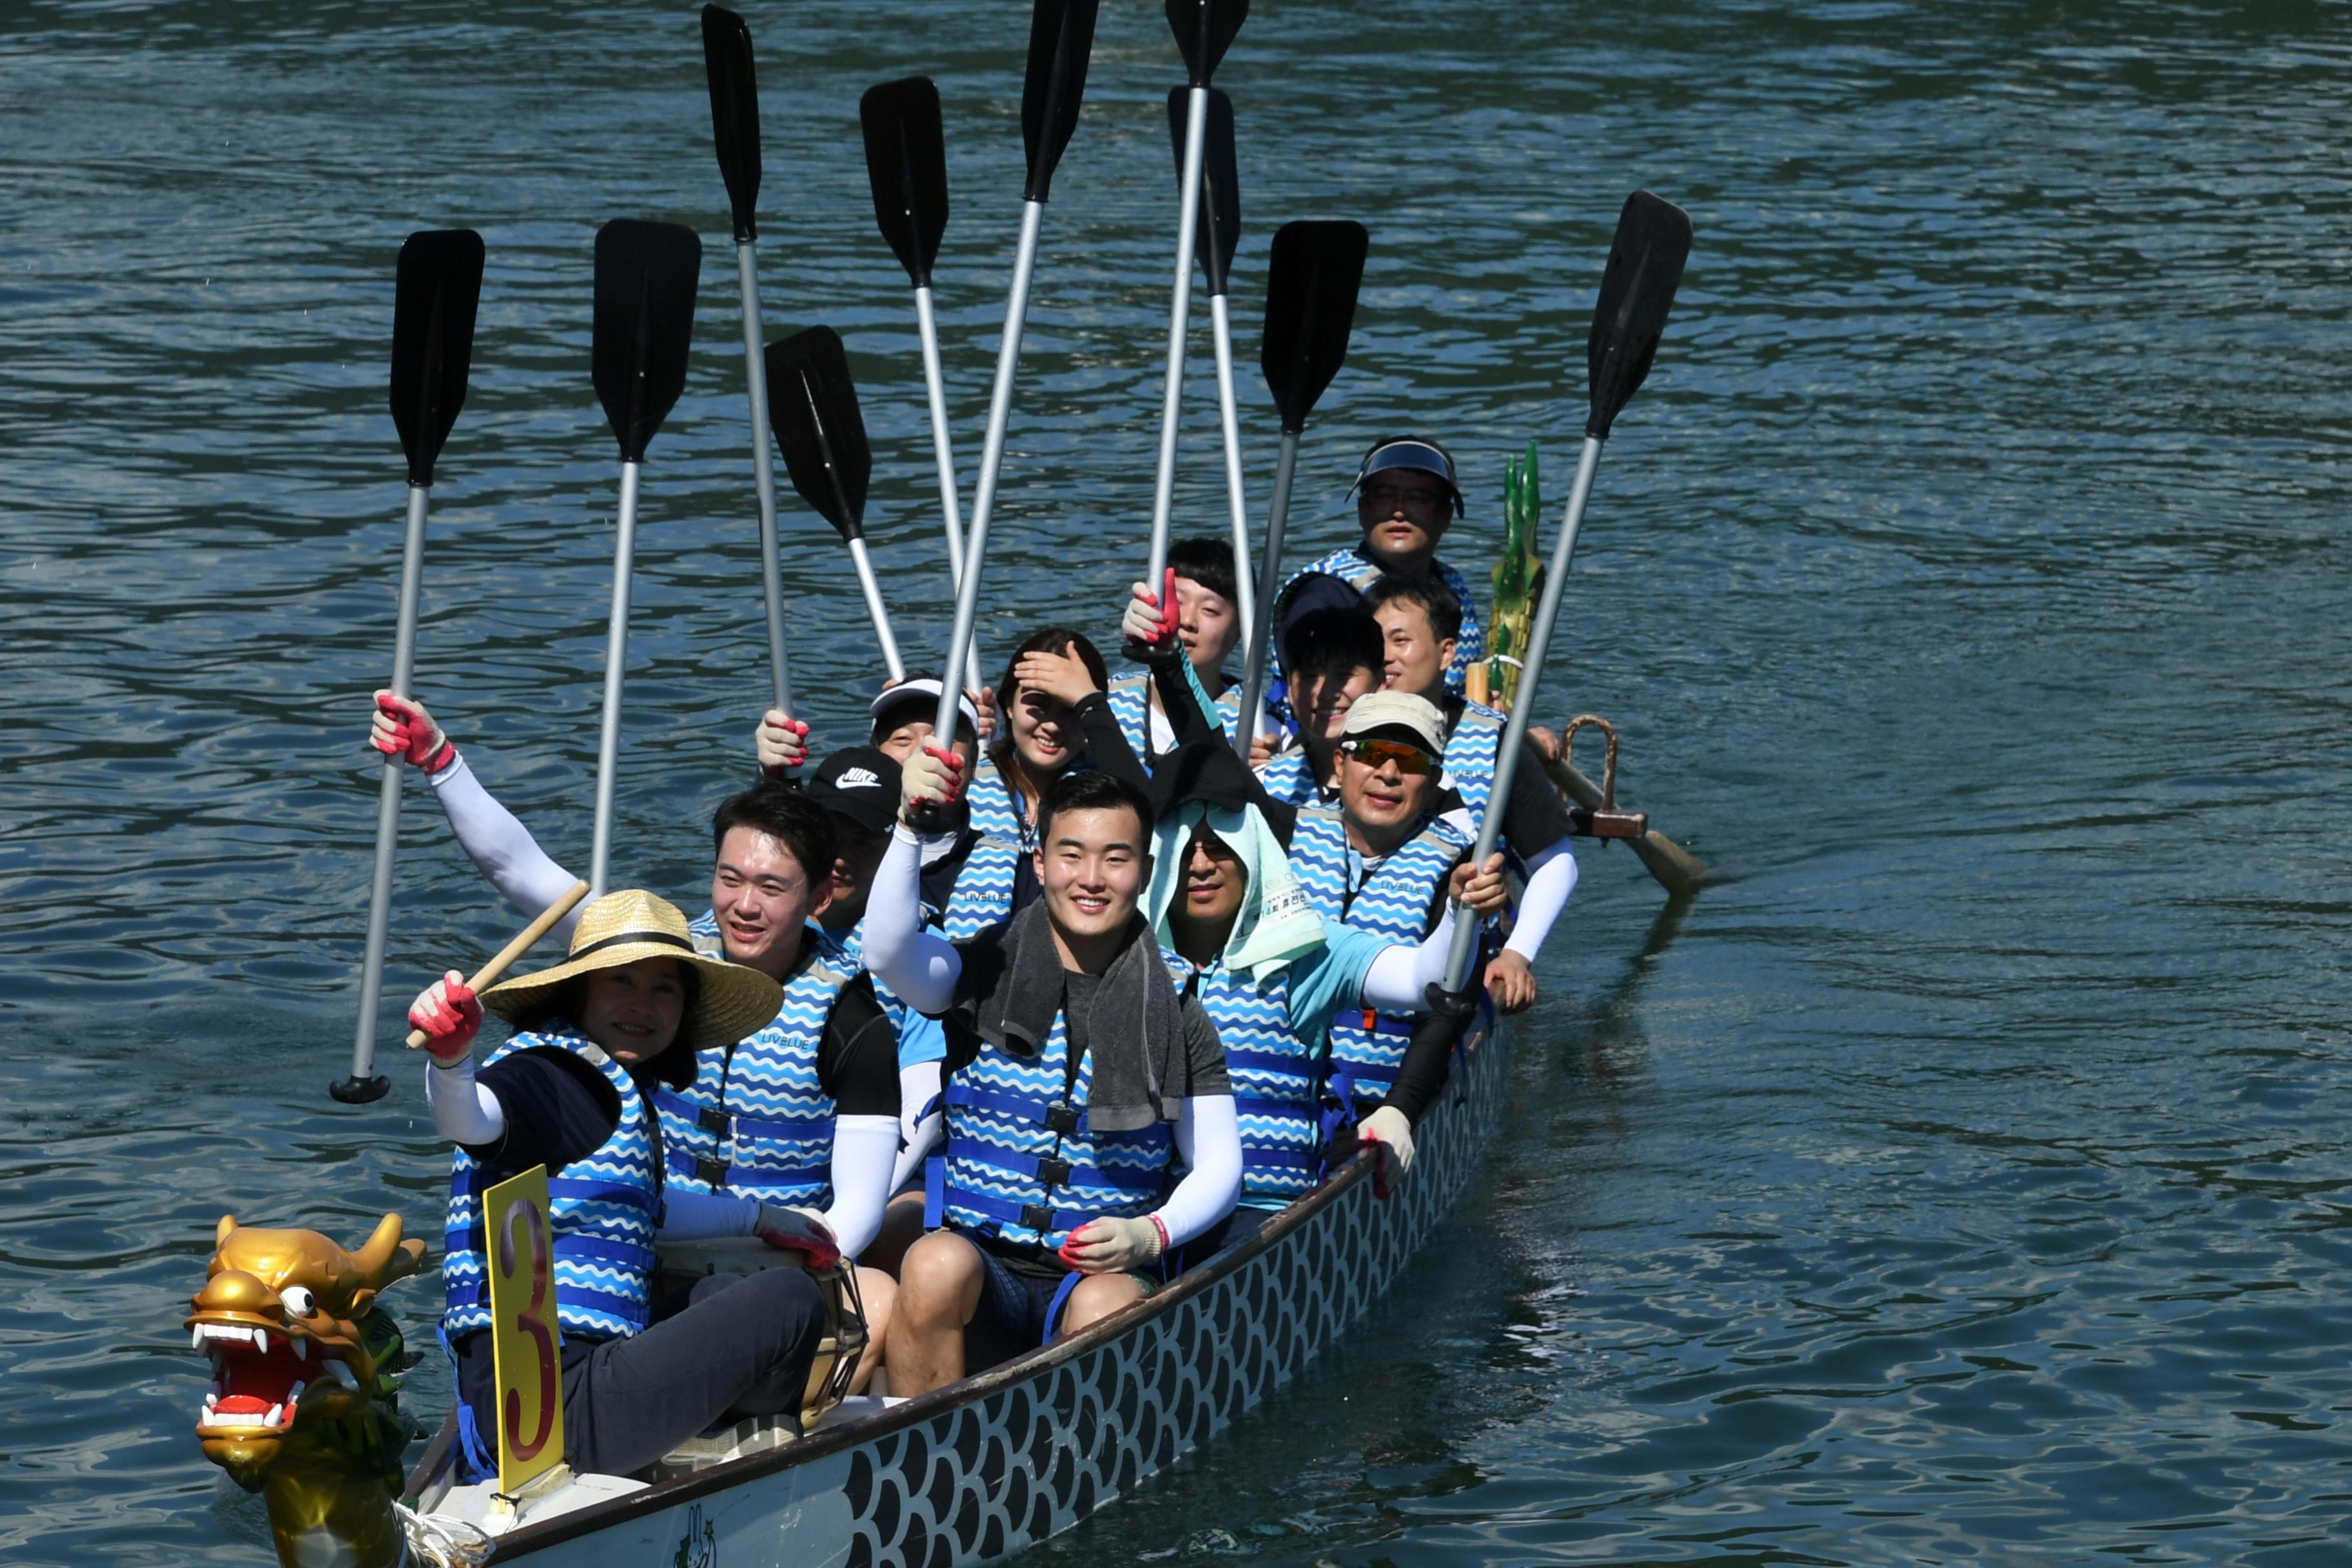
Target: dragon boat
x,y
965,1474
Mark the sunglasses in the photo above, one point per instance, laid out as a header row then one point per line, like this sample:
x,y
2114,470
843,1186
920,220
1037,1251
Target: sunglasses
x,y
1394,495
1372,753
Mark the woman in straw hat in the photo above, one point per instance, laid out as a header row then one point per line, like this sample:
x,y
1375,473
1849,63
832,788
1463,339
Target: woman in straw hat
x,y
573,1089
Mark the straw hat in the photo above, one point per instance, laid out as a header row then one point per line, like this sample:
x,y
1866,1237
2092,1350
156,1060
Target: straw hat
x,y
621,928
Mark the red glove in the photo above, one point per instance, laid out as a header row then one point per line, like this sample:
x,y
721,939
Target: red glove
x,y
403,729
1149,621
790,1230
450,1017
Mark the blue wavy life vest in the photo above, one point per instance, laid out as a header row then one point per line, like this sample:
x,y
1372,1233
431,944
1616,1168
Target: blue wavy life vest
x,y
1023,1164
602,1210
756,1120
1289,777
1394,901
1278,1082
983,888
1130,703
1360,573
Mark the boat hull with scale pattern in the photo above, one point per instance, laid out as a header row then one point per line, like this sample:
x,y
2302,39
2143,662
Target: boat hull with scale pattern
x,y
1007,1458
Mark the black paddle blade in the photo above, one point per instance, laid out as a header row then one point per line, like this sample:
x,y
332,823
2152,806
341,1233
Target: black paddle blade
x,y
906,160
734,111
1310,304
1061,41
812,408
1220,182
1645,267
435,290
1205,29
646,276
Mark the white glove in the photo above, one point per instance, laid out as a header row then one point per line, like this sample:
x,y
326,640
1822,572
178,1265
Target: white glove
x,y
797,1230
781,743
1108,1246
1387,1127
931,779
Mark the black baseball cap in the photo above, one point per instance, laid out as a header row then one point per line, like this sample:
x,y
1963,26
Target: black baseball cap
x,y
860,785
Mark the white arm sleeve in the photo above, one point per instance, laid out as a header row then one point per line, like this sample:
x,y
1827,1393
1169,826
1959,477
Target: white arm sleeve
x,y
1208,1134
920,965
864,1147
1400,978
698,1216
1551,877
463,1111
918,1120
501,847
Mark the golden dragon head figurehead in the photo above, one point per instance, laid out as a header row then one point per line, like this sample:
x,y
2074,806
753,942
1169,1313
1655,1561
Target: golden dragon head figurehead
x,y
284,1317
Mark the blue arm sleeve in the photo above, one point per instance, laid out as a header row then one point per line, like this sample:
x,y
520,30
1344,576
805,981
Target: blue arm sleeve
x,y
1331,978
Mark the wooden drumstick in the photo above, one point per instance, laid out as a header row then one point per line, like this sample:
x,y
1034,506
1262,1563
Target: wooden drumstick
x,y
523,942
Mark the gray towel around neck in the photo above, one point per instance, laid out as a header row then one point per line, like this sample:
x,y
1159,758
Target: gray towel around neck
x,y
1142,1074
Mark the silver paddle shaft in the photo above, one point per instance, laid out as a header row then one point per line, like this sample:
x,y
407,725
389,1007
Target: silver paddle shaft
x,y
616,655
1227,411
874,607
1261,642
771,587
942,450
1514,731
991,458
1180,311
387,803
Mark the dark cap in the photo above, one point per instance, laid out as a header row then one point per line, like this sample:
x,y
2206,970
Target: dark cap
x,y
1416,453
860,785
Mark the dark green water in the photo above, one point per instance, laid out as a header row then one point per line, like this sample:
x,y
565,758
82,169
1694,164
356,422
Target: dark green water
x,y
1959,1183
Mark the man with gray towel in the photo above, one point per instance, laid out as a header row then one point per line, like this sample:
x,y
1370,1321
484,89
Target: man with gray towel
x,y
1080,1080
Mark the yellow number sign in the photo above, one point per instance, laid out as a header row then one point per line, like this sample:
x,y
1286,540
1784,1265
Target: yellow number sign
x,y
523,1336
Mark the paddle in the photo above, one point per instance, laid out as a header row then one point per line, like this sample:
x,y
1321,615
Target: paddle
x,y
735,130
1310,305
1646,266
524,941
1204,29
1221,220
435,290
906,163
1061,40
645,278
817,424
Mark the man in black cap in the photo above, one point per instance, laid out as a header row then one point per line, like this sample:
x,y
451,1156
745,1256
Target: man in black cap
x,y
1406,498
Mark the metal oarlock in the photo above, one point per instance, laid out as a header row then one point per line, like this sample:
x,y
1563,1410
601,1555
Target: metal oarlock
x,y
1603,821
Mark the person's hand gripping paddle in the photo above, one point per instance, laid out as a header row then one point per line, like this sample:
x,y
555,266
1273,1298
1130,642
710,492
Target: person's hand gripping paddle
x,y
1310,305
815,411
1219,232
1061,42
1205,29
437,288
906,163
646,278
1645,267
735,132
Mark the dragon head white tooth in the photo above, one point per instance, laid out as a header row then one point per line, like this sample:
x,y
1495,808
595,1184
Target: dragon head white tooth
x,y
277,1415
300,1346
196,1338
261,1341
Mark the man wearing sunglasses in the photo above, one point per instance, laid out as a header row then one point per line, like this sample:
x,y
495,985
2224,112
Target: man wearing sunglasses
x,y
1405,499
1380,864
1420,626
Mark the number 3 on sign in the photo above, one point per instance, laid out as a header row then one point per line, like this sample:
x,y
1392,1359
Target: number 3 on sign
x,y
523,1338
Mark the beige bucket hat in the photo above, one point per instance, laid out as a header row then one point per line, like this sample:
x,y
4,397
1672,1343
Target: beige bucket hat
x,y
733,1003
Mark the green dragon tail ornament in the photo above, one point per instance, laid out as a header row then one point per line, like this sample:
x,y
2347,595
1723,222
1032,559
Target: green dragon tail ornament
x,y
1519,580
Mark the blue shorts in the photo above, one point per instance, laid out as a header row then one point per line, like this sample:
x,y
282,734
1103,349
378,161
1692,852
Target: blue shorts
x,y
1011,1317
